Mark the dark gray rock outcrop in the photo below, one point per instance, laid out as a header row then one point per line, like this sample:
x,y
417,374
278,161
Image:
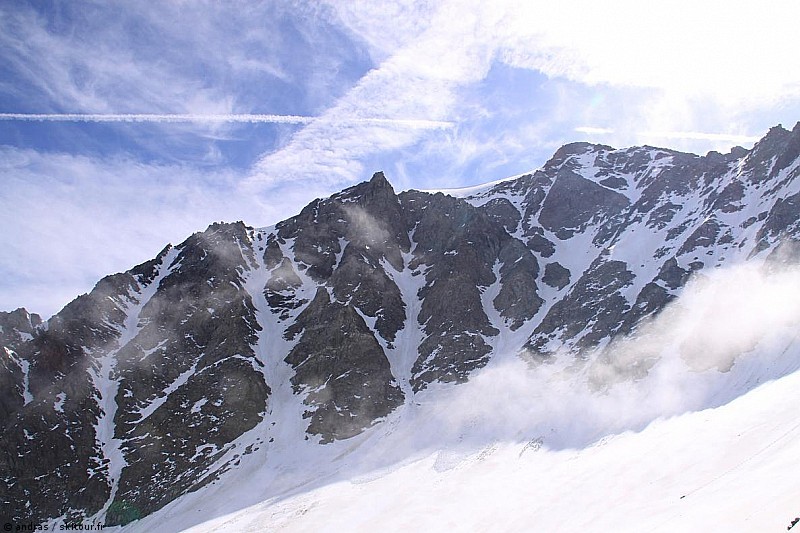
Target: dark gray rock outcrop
x,y
339,362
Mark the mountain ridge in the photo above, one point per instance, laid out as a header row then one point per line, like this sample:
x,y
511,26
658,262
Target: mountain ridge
x,y
144,389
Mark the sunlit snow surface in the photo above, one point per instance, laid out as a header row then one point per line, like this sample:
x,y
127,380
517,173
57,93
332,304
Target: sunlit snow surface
x,y
697,445
733,466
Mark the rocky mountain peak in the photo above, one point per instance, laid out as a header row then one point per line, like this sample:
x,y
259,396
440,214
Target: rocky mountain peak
x,y
16,322
572,149
377,191
773,153
379,180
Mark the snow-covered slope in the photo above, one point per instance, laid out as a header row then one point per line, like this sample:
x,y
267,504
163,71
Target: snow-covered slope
x,y
732,468
376,338
519,449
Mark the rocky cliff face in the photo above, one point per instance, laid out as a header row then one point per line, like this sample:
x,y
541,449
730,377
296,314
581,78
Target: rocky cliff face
x,y
159,380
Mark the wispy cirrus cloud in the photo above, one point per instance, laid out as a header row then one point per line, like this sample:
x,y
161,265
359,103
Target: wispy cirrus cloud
x,y
85,61
427,57
420,76
165,59
612,71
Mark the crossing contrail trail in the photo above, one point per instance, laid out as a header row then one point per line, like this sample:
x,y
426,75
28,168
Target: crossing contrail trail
x,y
241,118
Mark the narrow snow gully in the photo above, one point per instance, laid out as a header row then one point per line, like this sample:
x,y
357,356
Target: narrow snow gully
x,y
405,351
24,367
283,421
107,385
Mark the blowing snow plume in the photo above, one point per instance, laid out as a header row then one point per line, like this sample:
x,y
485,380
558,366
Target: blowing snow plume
x,y
727,333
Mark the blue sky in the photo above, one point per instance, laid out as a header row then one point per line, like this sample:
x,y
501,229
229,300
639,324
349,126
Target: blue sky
x,y
162,117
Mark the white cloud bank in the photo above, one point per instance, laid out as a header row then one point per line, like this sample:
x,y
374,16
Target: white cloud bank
x,y
732,51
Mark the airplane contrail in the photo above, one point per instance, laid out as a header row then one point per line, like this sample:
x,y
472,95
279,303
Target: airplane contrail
x,y
242,118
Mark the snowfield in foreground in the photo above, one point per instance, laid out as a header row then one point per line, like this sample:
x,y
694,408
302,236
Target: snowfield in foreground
x,y
733,467
697,445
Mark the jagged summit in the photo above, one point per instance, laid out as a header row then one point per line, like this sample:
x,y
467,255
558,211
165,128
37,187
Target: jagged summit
x,y
377,189
243,341
19,320
571,150
379,179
